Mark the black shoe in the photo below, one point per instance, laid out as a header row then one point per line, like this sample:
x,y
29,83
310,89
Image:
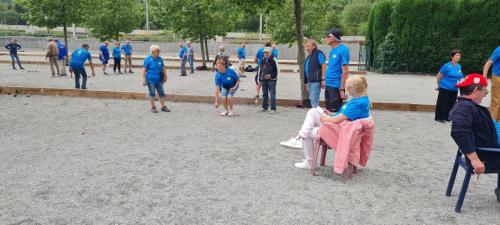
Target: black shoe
x,y
154,110
497,193
14,68
165,109
63,75
22,68
130,71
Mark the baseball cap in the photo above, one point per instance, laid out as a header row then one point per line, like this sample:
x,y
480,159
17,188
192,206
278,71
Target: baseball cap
x,y
473,79
337,33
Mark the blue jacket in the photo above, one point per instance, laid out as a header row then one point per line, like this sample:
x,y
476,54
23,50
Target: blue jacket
x,y
472,126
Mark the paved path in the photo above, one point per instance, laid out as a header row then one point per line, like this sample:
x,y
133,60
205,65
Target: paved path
x,y
417,89
96,161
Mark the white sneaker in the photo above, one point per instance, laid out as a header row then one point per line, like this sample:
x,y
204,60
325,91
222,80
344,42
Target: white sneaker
x,y
303,165
295,142
224,113
231,113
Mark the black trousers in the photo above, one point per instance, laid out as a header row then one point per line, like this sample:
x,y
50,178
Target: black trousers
x,y
491,161
333,101
445,102
117,64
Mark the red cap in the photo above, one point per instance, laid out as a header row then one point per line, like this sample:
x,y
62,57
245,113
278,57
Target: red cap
x,y
473,79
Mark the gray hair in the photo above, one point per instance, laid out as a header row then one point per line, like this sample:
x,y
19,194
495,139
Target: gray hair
x,y
153,48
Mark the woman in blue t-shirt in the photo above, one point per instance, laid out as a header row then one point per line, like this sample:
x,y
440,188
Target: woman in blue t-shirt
x,y
358,107
226,84
449,75
154,76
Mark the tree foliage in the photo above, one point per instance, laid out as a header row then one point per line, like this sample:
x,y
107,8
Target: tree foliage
x,y
107,18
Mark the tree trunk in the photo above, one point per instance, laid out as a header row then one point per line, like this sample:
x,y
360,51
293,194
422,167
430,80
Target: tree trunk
x,y
206,49
117,36
305,102
65,31
203,61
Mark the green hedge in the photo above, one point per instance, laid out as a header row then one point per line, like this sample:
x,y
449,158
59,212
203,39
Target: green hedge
x,y
379,22
424,31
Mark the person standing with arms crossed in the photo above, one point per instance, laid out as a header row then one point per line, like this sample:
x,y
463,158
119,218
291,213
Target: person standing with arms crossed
x,y
77,65
337,71
13,46
495,83
128,50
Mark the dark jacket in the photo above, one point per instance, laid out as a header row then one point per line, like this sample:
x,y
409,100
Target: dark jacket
x,y
314,68
268,66
13,47
472,126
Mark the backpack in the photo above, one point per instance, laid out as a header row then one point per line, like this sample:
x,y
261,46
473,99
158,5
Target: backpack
x,y
249,68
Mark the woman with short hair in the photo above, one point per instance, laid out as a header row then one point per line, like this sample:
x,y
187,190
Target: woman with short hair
x,y
226,84
449,75
154,76
358,107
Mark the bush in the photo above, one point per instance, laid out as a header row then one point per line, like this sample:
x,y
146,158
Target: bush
x,y
379,22
426,30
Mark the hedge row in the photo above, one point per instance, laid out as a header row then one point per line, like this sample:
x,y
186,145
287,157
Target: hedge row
x,y
416,35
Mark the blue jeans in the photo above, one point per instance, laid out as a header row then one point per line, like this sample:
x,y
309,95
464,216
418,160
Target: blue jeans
x,y
190,59
314,92
269,88
155,87
14,57
79,72
183,66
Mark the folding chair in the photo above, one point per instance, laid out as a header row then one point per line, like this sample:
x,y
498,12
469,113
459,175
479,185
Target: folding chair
x,y
464,162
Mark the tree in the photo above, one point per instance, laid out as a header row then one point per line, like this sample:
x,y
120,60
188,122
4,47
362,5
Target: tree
x,y
53,13
107,18
196,19
354,17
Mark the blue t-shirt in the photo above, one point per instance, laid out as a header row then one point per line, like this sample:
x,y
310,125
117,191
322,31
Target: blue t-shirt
x,y
182,52
117,53
127,49
356,108
339,56
451,76
495,57
226,80
105,51
63,51
242,53
78,58
153,68
321,60
275,53
260,55
497,127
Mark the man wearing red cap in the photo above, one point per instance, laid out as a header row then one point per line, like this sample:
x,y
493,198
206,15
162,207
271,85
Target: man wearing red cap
x,y
472,126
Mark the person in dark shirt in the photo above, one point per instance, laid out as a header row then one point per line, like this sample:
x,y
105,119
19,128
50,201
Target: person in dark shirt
x,y
13,47
267,78
473,127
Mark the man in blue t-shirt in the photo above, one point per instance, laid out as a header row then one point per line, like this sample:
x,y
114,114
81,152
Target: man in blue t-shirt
x,y
104,56
495,83
336,71
242,55
77,65
183,57
62,57
127,51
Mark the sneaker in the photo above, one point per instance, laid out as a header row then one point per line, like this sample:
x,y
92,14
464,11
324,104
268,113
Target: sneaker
x,y
497,193
303,165
22,68
272,112
295,142
165,109
224,113
154,110
130,71
230,113
106,73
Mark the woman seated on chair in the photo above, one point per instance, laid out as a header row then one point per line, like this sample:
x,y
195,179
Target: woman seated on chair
x,y
358,107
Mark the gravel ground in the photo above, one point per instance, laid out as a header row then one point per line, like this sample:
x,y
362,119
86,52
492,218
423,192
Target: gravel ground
x,y
91,161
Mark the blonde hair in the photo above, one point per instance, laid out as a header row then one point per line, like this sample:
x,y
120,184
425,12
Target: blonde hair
x,y
358,85
312,41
